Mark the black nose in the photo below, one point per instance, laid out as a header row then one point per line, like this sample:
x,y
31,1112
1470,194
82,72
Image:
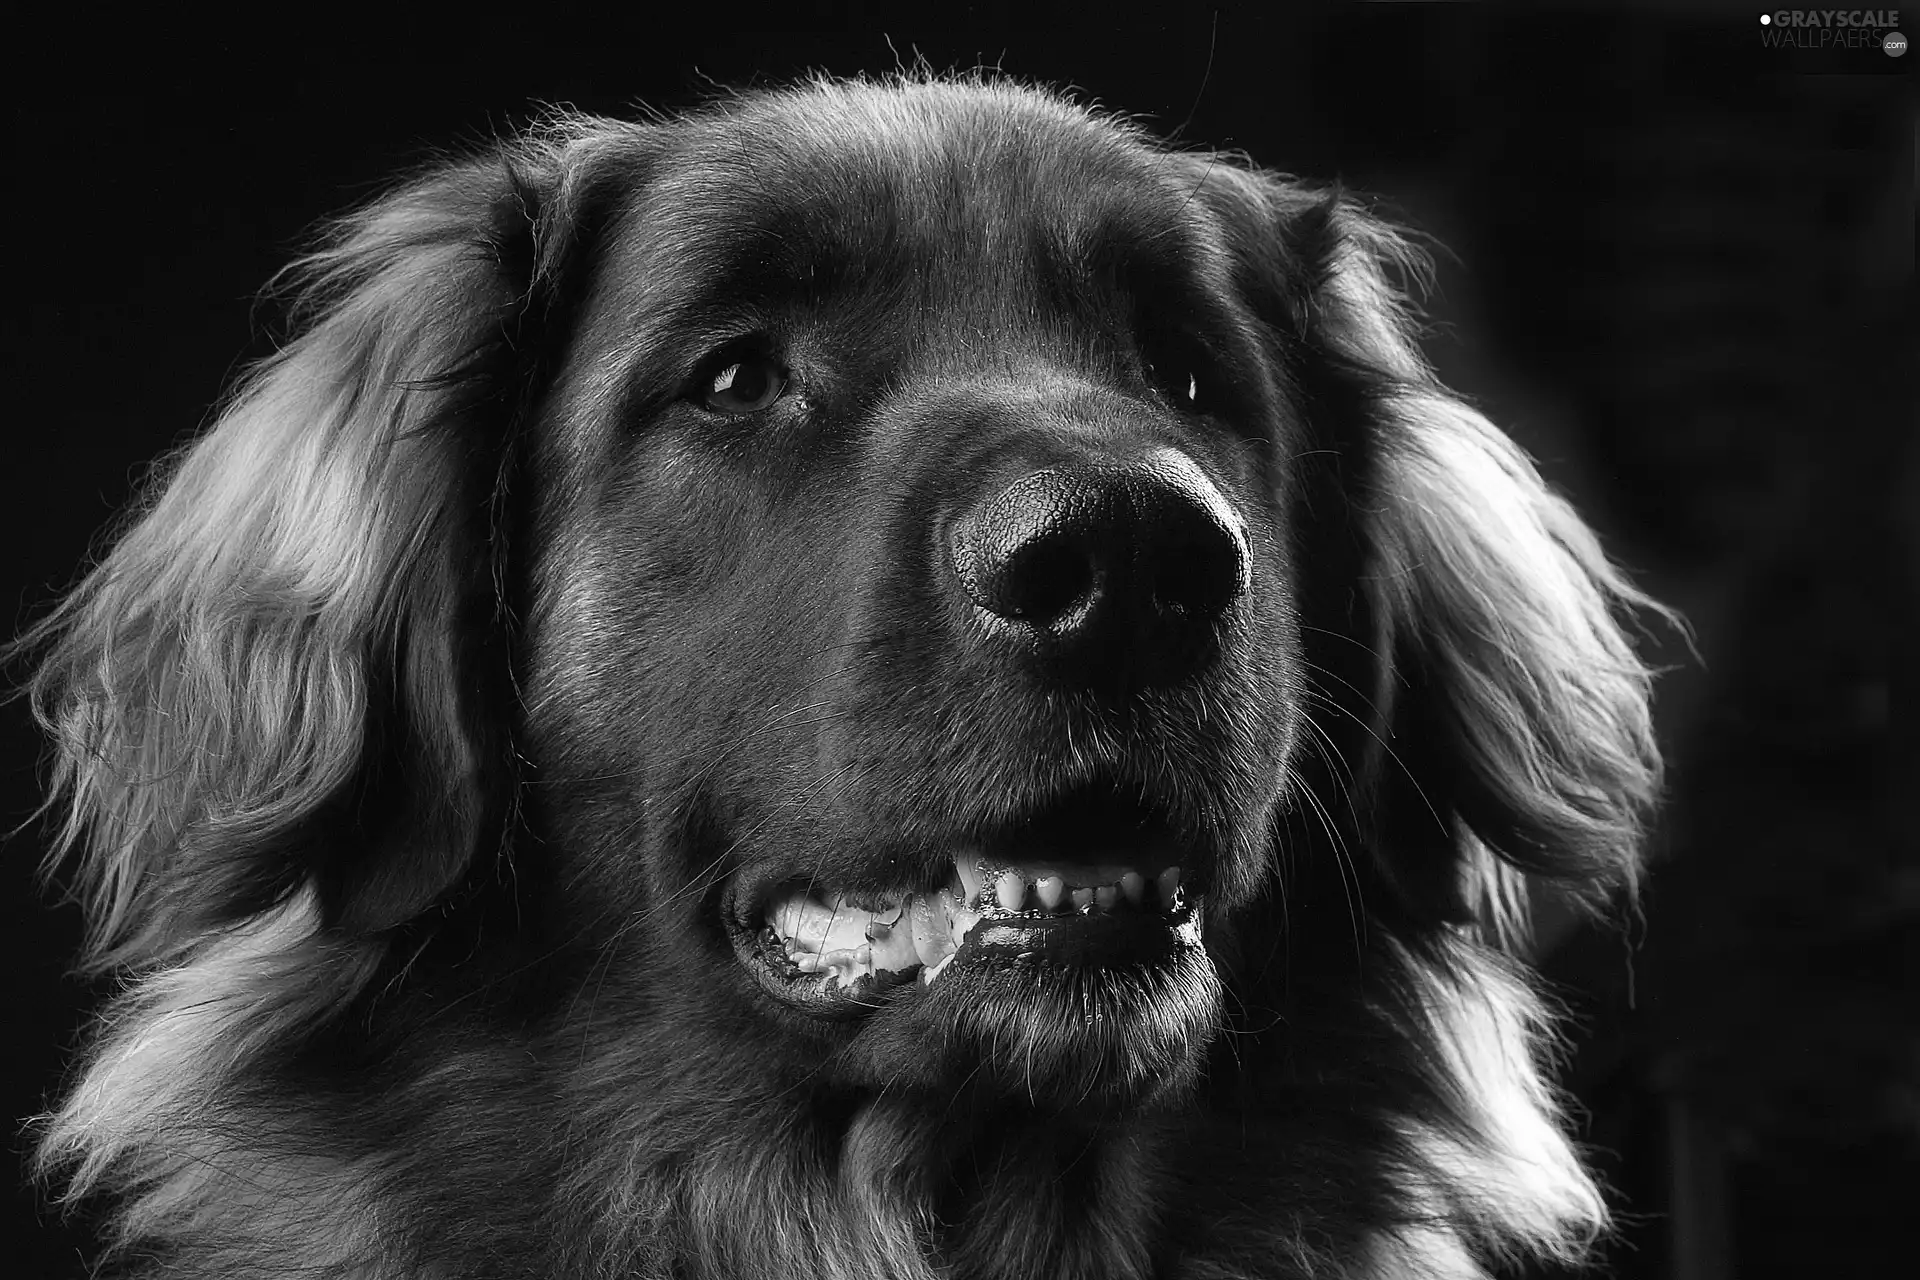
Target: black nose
x,y
1121,572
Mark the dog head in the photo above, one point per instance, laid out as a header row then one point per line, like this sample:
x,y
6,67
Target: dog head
x,y
912,588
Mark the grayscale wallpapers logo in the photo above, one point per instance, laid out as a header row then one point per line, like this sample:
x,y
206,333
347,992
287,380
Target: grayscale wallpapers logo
x,y
1834,29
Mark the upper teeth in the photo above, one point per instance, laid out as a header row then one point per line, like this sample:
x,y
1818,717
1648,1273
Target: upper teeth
x,y
1045,888
845,942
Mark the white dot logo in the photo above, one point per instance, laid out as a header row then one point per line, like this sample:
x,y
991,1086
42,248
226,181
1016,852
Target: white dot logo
x,y
1894,44
1765,20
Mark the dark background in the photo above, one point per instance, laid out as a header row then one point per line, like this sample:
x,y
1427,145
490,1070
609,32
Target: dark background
x,y
1681,275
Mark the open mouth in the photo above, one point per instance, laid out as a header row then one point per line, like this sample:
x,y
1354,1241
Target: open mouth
x,y
821,948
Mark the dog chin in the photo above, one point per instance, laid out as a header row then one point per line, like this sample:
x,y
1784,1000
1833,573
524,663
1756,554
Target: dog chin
x,y
1070,1038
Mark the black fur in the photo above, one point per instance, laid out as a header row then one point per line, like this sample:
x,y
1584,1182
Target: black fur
x,y
424,739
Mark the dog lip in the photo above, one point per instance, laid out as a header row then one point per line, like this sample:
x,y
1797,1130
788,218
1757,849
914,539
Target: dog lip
x,y
755,949
1125,925
1105,940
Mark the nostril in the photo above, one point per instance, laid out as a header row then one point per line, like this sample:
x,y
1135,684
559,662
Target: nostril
x,y
1194,580
1184,582
1120,573
1045,579
1191,561
1038,551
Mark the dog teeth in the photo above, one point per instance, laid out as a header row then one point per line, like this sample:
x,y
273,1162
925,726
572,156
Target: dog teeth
x,y
831,936
972,875
822,926
987,887
932,942
960,918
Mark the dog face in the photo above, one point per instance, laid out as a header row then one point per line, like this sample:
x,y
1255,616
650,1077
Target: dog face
x,y
910,609
976,502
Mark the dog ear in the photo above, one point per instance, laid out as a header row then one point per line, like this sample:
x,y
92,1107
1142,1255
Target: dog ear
x,y
292,670
1522,713
1498,715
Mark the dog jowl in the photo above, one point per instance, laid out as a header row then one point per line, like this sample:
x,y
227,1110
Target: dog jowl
x,y
882,679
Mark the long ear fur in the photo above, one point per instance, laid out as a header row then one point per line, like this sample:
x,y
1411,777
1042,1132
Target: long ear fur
x,y
275,703
1494,718
218,681
1511,737
1523,714
1507,723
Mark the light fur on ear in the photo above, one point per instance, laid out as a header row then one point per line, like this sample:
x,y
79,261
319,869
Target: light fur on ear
x,y
215,681
1508,710
1509,607
276,704
1514,739
1495,718
278,659
1512,692
1506,621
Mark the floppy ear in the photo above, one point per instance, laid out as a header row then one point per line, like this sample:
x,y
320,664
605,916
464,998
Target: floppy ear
x,y
1517,707
292,671
1504,715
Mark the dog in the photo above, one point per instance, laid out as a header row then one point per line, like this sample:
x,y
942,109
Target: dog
x,y
882,679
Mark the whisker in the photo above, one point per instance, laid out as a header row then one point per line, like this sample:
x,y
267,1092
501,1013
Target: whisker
x,y
1393,755
787,802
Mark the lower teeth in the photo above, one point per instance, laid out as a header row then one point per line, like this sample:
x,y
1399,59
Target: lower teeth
x,y
924,930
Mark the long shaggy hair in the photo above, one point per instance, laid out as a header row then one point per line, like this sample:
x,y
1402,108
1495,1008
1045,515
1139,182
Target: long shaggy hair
x,y
653,533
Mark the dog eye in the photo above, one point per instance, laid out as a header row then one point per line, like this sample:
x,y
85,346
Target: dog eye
x,y
744,385
1180,382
